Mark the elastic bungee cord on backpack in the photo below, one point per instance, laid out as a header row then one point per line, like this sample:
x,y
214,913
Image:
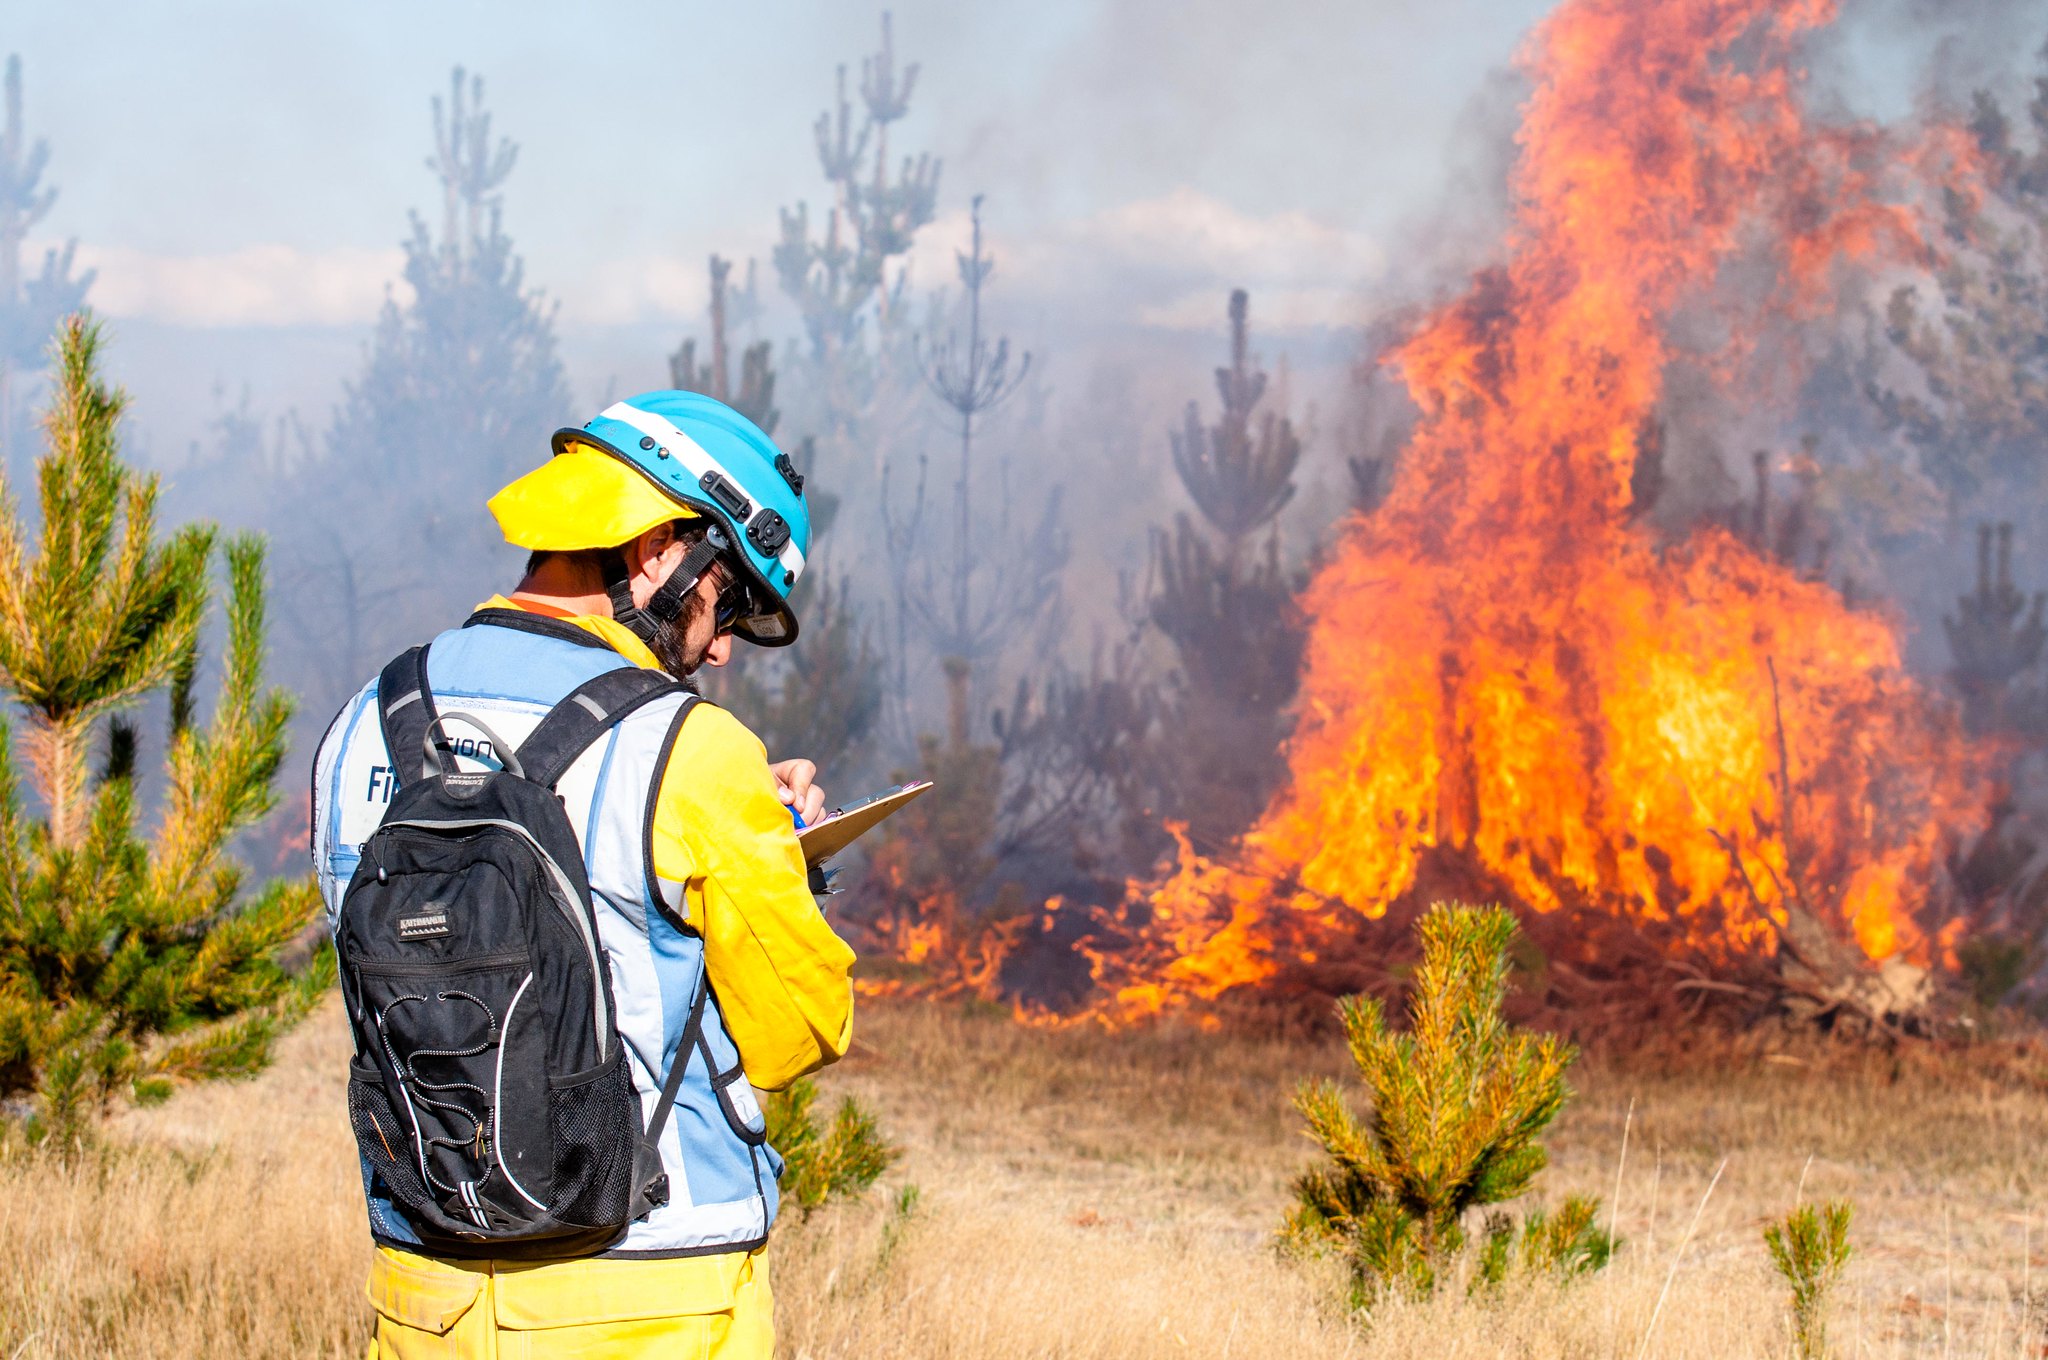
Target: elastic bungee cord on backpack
x,y
473,1147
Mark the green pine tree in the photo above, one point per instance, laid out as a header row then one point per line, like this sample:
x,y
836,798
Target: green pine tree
x,y
130,959
838,1161
1458,1104
1810,1248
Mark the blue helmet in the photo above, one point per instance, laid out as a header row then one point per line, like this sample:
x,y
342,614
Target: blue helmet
x,y
713,461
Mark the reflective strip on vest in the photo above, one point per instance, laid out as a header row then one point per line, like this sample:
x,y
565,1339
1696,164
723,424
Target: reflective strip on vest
x,y
722,1194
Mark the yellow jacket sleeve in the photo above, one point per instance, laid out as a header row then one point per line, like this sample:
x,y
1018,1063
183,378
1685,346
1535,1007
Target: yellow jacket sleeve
x,y
779,972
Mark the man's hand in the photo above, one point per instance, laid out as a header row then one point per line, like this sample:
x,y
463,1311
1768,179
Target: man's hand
x,y
793,781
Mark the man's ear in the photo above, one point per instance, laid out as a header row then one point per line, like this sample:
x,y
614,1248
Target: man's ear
x,y
648,549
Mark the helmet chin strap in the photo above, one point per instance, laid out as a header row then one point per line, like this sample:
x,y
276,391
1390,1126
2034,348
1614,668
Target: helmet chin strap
x,y
666,604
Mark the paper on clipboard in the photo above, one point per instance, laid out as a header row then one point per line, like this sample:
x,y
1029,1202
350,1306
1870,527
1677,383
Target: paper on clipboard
x,y
842,826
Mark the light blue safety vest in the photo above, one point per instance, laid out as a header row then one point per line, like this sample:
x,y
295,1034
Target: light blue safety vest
x,y
509,668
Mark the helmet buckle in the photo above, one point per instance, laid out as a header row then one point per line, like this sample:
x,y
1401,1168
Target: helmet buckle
x,y
789,473
768,533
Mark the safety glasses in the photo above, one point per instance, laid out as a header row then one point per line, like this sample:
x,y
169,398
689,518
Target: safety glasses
x,y
735,601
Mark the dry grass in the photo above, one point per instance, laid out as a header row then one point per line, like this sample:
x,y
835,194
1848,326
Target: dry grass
x,y
1084,1194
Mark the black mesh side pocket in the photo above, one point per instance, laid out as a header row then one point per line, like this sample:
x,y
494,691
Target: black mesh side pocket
x,y
380,1135
594,1124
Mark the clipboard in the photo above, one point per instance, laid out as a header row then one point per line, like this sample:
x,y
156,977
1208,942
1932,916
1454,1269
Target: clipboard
x,y
842,826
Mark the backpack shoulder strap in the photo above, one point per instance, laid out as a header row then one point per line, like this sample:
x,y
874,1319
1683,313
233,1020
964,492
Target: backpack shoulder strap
x,y
587,713
679,1066
405,710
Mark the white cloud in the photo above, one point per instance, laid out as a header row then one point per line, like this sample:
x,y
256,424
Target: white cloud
x,y
640,288
1168,262
1163,262
259,285
1193,231
280,285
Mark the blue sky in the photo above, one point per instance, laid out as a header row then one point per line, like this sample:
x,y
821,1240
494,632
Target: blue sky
x,y
240,172
662,131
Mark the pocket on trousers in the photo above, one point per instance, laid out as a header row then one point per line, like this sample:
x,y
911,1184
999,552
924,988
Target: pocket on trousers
x,y
424,1295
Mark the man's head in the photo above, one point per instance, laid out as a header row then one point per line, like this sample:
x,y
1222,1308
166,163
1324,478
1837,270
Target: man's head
x,y
701,632
669,497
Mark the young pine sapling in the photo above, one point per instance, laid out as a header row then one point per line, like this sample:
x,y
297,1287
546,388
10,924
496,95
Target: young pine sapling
x,y
1458,1104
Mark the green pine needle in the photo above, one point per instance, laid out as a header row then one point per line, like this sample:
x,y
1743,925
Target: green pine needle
x,y
1459,1101
839,1161
130,960
1810,1248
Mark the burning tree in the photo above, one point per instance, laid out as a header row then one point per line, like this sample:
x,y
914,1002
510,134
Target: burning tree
x,y
30,306
979,594
855,383
1382,420
1971,407
821,700
1675,759
754,395
873,217
839,277
468,370
1978,415
1995,636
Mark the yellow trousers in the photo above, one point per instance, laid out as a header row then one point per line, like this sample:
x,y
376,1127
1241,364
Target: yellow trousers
x,y
689,1308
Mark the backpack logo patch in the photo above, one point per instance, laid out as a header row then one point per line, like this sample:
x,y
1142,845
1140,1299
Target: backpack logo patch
x,y
425,926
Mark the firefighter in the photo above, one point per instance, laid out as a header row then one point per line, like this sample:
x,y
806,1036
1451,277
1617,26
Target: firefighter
x,y
660,532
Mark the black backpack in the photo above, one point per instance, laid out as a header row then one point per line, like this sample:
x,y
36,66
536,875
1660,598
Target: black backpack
x,y
489,1093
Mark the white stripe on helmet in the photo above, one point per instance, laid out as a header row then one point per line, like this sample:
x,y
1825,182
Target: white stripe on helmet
x,y
691,455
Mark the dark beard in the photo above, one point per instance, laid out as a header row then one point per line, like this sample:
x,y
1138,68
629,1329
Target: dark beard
x,y
668,645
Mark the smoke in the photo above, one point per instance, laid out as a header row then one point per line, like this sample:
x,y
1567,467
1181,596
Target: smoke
x,y
1348,165
1886,57
1338,111
271,286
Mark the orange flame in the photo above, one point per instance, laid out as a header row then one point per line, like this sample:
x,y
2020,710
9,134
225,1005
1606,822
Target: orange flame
x,y
1503,666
